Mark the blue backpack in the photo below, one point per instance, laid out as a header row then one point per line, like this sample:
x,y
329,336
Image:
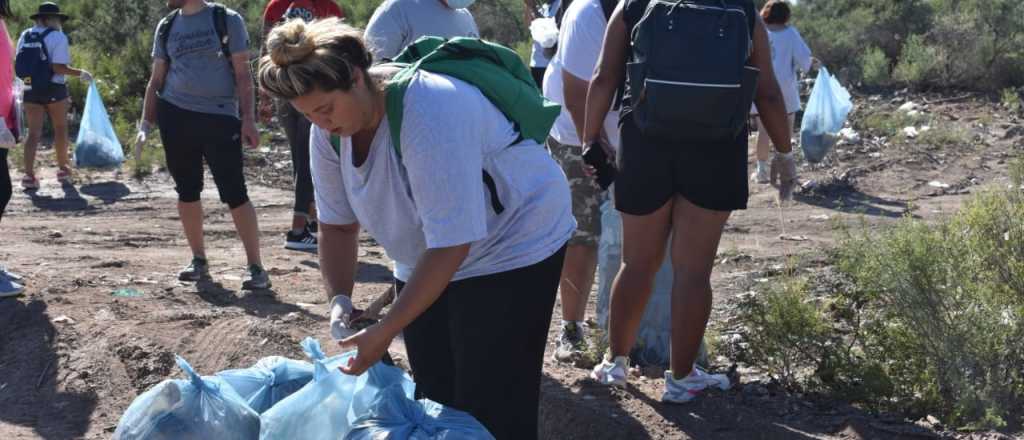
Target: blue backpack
x,y
33,64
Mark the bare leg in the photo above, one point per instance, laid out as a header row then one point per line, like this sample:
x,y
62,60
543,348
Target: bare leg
x,y
191,214
577,280
249,231
58,112
643,250
34,114
696,234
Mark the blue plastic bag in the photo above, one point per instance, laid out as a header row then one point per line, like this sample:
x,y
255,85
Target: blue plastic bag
x,y
196,408
326,407
269,381
97,145
395,416
826,112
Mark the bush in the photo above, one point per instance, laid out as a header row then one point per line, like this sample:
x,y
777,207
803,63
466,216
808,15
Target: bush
x,y
928,320
874,66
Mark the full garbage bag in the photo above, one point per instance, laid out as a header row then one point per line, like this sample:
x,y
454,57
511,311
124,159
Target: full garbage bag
x,y
826,112
394,415
192,409
269,381
97,145
326,407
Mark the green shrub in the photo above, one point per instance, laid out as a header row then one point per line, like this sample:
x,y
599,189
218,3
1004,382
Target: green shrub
x,y
874,67
928,319
1011,99
919,62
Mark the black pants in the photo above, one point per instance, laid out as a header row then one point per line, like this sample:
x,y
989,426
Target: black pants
x,y
189,137
480,347
5,182
296,129
538,76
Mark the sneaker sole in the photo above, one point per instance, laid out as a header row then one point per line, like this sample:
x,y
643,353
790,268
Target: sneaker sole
x,y
614,383
260,287
300,246
194,279
12,294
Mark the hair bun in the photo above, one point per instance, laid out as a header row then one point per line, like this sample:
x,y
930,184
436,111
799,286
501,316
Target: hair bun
x,y
290,43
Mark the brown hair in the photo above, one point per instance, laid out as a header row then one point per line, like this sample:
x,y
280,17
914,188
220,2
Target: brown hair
x,y
776,12
321,55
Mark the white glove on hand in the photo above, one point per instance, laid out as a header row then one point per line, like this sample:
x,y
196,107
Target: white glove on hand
x,y
86,76
784,174
341,317
144,129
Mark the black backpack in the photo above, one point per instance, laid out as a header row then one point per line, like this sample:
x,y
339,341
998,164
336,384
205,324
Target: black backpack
x,y
33,64
688,77
220,25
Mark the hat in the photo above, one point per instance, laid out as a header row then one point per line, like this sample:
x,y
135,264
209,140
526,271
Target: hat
x,y
49,9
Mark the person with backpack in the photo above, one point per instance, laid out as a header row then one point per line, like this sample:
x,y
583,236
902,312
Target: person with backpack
x,y
10,284
690,71
789,54
43,64
467,203
581,31
200,94
302,236
396,24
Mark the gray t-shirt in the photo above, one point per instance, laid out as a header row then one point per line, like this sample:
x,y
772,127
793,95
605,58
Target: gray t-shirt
x,y
200,78
397,23
433,196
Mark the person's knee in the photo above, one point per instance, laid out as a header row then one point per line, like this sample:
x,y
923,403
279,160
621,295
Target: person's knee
x,y
234,197
189,195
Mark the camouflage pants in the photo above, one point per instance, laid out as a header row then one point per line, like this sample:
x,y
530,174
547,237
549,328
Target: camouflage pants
x,y
586,194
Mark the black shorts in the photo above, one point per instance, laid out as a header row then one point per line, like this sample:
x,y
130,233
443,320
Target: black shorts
x,y
53,93
652,171
189,137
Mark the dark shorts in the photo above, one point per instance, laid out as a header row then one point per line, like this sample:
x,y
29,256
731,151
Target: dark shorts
x,y
652,171
538,76
189,138
53,93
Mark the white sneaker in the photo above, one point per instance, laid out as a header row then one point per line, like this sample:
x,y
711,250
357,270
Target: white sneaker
x,y
9,288
613,372
690,387
763,173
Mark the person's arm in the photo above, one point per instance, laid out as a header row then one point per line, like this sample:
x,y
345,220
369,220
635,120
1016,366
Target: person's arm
x,y
246,98
433,273
770,105
339,252
802,54
609,74
156,83
64,69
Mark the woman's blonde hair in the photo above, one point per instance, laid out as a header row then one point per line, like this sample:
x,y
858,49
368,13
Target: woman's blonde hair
x,y
321,55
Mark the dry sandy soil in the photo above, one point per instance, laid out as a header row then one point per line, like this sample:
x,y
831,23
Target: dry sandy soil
x,y
73,355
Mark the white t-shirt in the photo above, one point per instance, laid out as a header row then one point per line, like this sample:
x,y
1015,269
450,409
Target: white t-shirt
x,y
397,23
580,41
56,45
789,54
537,58
434,196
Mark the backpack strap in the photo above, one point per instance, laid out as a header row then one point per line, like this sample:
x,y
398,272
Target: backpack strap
x,y
42,43
164,31
220,24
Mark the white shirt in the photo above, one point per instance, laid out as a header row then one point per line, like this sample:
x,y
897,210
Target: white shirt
x,y
433,196
537,58
56,46
580,41
789,54
398,23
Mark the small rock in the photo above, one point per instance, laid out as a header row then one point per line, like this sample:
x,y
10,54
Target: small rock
x,y
55,234
910,132
937,184
62,319
909,106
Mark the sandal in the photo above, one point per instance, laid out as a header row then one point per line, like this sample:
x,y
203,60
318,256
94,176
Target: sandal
x,y
29,182
64,176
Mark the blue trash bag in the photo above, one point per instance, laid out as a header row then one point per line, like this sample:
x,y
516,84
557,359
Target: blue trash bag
x,y
326,407
269,381
196,408
396,416
826,112
97,145
653,338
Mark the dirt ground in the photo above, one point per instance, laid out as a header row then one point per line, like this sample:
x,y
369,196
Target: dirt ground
x,y
73,354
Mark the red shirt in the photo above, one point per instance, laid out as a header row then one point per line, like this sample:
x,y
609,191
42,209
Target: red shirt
x,y
308,10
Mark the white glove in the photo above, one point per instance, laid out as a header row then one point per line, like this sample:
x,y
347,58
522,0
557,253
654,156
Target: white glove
x,y
144,129
86,76
341,317
783,174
